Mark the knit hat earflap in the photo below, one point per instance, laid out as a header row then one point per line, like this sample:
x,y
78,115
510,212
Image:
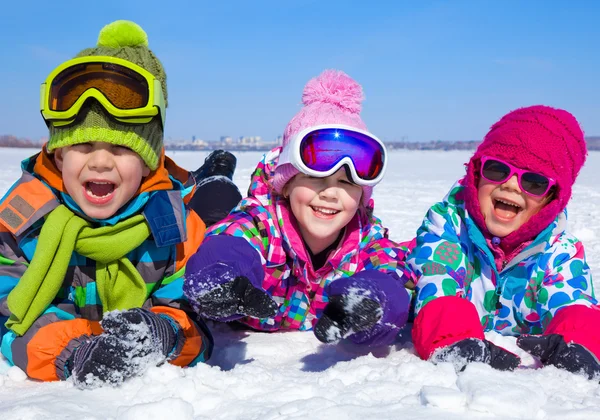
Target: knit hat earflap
x,y
128,41
333,97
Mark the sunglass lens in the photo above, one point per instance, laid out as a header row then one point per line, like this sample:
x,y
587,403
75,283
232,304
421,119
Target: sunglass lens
x,y
535,184
495,171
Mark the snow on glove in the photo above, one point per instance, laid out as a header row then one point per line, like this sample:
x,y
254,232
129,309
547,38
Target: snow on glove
x,y
345,315
471,350
235,299
157,332
367,308
223,281
552,349
105,359
133,340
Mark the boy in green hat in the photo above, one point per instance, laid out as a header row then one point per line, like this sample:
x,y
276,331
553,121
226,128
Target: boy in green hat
x,y
95,235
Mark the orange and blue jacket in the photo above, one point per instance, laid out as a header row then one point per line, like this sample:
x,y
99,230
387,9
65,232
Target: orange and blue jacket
x,y
176,233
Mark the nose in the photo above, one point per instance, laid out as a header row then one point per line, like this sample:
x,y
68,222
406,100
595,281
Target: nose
x,y
329,191
512,183
101,160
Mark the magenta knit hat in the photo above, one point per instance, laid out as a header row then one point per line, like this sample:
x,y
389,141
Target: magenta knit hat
x,y
333,97
540,139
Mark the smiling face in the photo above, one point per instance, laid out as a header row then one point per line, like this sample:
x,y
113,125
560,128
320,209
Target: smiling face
x,y
100,177
505,207
322,206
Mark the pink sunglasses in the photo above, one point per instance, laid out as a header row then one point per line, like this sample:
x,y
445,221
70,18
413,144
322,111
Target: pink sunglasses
x,y
497,171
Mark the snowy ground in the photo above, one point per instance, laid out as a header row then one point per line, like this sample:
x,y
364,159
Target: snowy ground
x,y
291,375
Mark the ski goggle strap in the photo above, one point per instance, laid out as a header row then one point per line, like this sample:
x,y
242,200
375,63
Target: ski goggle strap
x,y
127,91
321,151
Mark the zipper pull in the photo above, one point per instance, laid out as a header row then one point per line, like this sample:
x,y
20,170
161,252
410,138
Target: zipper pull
x,y
498,294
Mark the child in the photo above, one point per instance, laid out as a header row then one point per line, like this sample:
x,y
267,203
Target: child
x,y
303,250
98,223
495,254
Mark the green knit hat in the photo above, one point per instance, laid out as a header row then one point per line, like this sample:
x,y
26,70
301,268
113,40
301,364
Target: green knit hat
x,y
126,40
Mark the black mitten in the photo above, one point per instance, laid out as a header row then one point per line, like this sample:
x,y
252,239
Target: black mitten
x,y
105,359
236,297
475,350
143,326
552,349
368,308
341,318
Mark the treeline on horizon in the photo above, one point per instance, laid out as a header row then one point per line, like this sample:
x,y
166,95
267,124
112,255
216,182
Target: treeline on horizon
x,y
593,143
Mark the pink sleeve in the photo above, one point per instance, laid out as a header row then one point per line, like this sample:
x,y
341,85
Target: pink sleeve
x,y
443,322
578,324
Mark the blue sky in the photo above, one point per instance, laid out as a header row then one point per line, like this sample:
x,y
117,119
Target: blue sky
x,y
429,69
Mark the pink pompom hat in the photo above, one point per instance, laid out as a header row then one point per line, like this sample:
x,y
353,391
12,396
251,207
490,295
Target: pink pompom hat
x,y
333,97
537,138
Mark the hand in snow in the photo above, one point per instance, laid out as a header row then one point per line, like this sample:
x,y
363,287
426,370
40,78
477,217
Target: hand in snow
x,y
552,349
233,299
223,280
368,308
474,350
132,341
106,359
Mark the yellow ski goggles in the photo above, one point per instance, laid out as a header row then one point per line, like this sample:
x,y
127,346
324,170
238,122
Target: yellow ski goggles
x,y
128,92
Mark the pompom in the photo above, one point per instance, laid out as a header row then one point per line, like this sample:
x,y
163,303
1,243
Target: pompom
x,y
334,87
122,33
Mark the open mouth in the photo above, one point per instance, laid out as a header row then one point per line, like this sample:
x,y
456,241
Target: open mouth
x,y
99,191
506,209
322,211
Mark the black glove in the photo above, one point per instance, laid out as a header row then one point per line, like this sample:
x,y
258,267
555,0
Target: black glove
x,y
339,319
475,350
552,349
142,326
105,359
236,297
132,340
368,308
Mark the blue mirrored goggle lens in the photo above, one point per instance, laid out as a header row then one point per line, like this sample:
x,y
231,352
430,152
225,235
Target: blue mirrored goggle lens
x,y
321,150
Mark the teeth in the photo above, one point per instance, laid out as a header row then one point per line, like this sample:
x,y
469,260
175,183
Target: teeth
x,y
325,211
94,195
91,193
508,203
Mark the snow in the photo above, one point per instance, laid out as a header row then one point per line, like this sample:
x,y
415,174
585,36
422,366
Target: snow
x,y
292,375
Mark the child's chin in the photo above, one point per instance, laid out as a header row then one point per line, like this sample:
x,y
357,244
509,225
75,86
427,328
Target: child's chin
x,y
501,232
100,213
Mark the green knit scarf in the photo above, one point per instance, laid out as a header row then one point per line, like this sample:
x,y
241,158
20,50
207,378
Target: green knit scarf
x,y
119,284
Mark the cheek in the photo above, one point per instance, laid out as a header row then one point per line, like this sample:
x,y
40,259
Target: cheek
x,y
70,171
352,199
484,192
300,194
132,167
535,205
